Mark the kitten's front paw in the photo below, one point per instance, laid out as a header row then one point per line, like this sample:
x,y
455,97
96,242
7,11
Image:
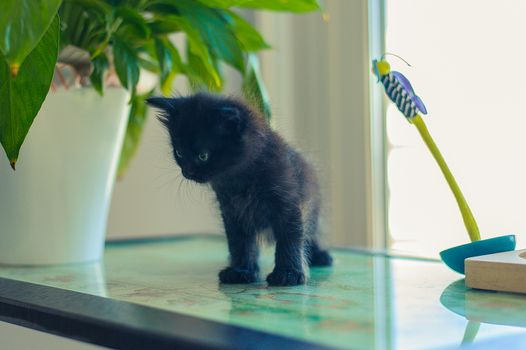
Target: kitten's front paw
x,y
320,258
235,275
286,277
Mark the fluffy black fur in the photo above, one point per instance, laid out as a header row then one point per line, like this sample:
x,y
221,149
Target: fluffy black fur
x,y
260,182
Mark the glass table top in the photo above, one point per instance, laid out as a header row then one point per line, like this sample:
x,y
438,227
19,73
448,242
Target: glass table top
x,y
365,301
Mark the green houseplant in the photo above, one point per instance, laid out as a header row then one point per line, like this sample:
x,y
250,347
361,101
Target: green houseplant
x,y
136,35
99,39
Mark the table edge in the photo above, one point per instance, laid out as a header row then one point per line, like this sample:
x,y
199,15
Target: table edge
x,y
120,324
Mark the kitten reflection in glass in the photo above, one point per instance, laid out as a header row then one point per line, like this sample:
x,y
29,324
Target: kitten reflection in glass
x,y
259,180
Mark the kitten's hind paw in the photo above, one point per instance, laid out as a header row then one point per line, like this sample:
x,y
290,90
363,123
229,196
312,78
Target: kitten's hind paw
x,y
286,277
233,275
320,258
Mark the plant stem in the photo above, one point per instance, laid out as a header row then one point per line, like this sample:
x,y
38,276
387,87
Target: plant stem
x,y
467,216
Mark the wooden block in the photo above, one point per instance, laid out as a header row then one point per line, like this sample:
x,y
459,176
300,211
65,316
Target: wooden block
x,y
504,272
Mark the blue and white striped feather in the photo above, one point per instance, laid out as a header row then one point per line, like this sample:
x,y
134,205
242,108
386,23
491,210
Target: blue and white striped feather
x,y
403,99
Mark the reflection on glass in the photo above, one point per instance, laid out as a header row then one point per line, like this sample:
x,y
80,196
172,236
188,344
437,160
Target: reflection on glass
x,y
484,306
86,278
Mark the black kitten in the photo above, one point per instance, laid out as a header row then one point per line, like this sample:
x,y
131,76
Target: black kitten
x,y
259,180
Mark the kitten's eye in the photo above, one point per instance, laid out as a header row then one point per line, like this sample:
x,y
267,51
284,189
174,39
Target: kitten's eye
x,y
178,153
203,156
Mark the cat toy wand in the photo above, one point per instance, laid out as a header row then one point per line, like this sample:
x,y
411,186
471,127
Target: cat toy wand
x,y
401,93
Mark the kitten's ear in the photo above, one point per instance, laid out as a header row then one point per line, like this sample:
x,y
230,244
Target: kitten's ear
x,y
168,106
232,120
164,103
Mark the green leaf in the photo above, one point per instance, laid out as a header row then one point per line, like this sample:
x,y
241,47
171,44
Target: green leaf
x,y
178,67
161,26
100,65
254,88
275,5
169,62
126,64
215,30
164,57
22,25
134,24
197,74
85,23
247,35
284,5
23,96
198,55
97,5
136,122
149,63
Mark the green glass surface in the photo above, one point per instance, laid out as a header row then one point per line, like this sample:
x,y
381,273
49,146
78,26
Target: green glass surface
x,y
366,301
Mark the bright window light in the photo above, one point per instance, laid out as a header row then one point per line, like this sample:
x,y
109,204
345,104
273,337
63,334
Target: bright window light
x,y
468,66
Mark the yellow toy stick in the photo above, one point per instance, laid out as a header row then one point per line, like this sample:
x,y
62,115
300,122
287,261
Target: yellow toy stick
x,y
467,215
400,91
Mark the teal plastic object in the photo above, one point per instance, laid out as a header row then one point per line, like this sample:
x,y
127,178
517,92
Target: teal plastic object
x,y
454,257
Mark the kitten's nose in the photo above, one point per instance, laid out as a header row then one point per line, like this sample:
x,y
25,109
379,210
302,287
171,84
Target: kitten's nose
x,y
188,172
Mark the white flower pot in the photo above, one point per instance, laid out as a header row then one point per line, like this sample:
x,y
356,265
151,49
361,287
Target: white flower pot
x,y
54,207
